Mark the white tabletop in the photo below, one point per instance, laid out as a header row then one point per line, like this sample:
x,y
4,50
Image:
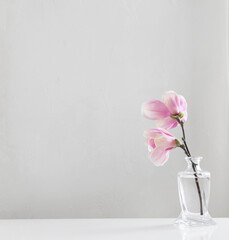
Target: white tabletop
x,y
80,229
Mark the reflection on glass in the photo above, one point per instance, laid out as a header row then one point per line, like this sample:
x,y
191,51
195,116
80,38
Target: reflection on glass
x,y
197,233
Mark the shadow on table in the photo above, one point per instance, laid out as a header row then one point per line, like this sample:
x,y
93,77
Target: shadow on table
x,y
160,230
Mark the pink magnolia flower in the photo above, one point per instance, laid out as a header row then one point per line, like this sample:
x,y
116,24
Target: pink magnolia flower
x,y
164,112
159,142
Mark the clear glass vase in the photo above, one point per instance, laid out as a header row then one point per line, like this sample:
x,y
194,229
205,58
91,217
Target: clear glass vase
x,y
194,193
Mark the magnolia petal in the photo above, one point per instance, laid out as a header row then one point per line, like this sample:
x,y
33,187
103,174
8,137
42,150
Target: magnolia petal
x,y
159,157
185,117
182,103
163,131
172,102
151,143
154,110
164,159
165,142
167,123
152,132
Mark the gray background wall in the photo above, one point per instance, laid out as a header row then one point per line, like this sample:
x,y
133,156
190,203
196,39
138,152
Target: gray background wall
x,y
73,75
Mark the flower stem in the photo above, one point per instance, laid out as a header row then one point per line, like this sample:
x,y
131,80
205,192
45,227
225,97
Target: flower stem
x,y
183,138
187,152
184,148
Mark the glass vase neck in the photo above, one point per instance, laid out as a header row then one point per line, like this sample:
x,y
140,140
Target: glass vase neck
x,y
194,163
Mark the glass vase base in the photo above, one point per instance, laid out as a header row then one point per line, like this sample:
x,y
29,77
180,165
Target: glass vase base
x,y
194,220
